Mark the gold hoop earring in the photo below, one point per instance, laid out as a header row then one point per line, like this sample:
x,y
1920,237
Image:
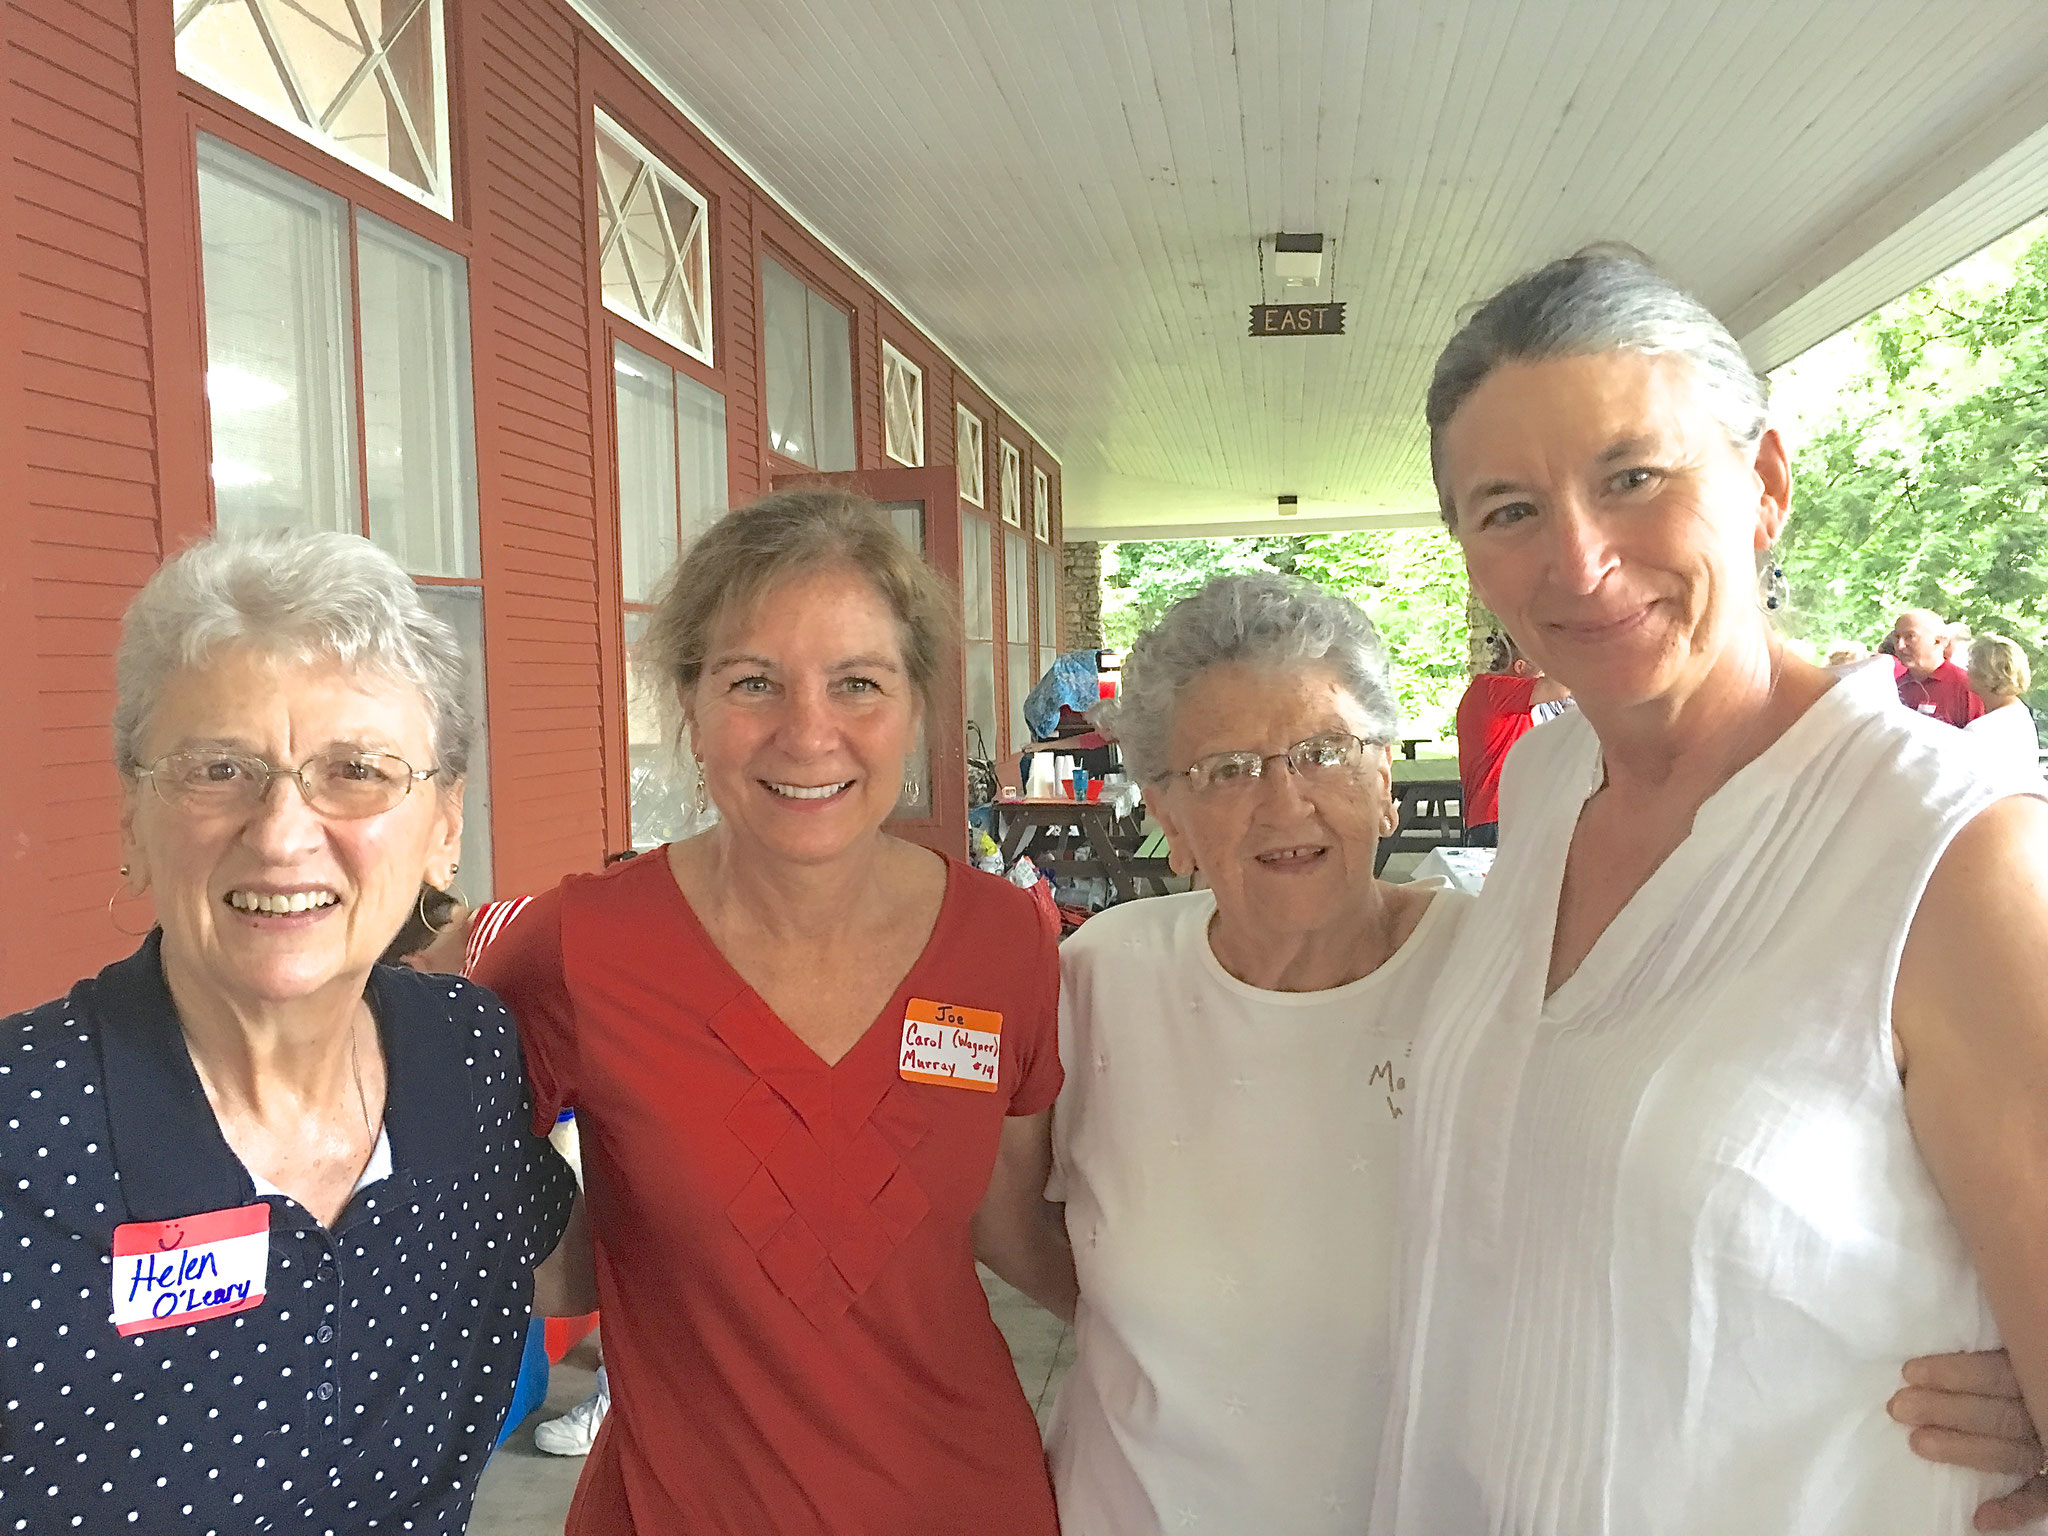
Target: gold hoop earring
x,y
126,933
453,892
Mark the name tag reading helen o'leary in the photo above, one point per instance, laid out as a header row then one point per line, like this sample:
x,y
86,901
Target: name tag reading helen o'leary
x,y
952,1046
190,1269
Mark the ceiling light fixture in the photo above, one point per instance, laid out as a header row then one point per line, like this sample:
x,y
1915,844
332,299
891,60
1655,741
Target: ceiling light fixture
x,y
1298,260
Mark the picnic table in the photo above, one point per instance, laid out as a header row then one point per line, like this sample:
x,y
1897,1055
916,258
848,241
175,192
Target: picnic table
x,y
1111,829
1431,803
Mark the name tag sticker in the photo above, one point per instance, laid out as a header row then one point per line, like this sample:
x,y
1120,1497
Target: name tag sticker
x,y
190,1269
952,1046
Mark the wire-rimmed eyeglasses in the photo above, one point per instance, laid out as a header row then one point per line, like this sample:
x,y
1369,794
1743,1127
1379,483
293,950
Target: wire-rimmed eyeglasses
x,y
346,786
1330,757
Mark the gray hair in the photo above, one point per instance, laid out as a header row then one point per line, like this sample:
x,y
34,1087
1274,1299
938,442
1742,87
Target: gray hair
x,y
1606,298
1264,620
302,595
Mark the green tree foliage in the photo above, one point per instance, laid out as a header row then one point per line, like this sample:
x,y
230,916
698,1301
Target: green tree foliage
x,y
1411,581
1928,486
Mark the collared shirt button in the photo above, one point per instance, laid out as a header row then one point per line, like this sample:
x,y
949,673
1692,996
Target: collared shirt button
x,y
326,1391
326,1334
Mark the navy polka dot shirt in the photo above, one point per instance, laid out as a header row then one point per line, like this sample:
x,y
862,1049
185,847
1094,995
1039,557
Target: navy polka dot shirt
x,y
366,1391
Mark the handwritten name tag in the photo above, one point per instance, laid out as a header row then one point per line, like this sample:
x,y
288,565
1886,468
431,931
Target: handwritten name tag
x,y
952,1046
170,1273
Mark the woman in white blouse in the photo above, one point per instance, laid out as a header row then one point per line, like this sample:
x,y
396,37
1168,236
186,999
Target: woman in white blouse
x,y
1238,1085
1732,1091
1999,675
1237,1072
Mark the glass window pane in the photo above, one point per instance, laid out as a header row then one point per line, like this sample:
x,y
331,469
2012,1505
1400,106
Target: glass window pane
x,y
785,331
832,383
646,394
364,79
908,516
279,363
980,658
977,569
1047,655
700,425
657,806
1016,588
463,609
418,428
1048,605
1023,677
1041,506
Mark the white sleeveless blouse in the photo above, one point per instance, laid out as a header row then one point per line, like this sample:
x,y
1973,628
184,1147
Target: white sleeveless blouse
x,y
1667,1236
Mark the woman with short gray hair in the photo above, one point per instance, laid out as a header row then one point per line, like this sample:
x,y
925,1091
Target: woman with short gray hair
x,y
286,1198
1237,1069
1730,1094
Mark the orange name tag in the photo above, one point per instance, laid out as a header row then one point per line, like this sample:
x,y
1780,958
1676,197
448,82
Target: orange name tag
x,y
952,1046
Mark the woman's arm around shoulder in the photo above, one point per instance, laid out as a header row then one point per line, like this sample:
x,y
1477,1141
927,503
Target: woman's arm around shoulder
x,y
1970,1027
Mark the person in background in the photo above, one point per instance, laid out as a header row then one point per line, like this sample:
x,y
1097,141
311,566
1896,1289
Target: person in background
x,y
274,1212
812,1065
1999,675
1499,707
1929,683
1730,1093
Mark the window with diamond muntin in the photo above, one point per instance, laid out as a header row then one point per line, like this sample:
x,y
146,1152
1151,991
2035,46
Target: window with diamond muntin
x,y
366,80
902,408
653,243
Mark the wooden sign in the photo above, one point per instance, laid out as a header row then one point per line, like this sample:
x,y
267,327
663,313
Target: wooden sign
x,y
1297,319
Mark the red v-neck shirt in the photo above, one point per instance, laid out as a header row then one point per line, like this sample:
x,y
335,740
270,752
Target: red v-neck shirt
x,y
794,1332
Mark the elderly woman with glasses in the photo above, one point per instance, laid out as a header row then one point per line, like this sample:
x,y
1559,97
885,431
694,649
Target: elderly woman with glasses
x,y
1237,1075
270,1212
1732,1090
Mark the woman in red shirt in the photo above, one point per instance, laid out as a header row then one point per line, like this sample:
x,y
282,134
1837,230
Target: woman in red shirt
x,y
811,1064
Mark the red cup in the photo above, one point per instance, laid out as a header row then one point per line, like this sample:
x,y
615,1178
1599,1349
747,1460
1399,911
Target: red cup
x,y
1095,789
1067,788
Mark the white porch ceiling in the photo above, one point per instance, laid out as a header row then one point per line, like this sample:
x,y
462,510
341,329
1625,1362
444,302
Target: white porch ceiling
x,y
1068,193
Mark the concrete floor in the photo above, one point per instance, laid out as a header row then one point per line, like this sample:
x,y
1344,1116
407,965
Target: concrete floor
x,y
525,1493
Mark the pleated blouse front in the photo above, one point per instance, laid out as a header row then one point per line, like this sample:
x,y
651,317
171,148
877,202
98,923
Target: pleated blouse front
x,y
1669,1239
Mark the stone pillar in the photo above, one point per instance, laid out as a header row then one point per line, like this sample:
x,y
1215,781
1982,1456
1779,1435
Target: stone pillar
x,y
1081,583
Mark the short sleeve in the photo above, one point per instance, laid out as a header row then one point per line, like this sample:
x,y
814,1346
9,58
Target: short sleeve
x,y
523,965
543,1188
1039,1075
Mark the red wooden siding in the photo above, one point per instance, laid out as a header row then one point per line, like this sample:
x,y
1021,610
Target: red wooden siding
x,y
83,489
537,468
103,437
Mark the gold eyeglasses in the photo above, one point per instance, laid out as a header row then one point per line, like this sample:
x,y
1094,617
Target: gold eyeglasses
x,y
344,785
1328,758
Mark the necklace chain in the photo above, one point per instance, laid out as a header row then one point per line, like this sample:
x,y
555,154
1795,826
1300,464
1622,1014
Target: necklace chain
x,y
356,1071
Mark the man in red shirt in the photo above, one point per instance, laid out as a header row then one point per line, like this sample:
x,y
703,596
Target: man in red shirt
x,y
1930,684
1493,715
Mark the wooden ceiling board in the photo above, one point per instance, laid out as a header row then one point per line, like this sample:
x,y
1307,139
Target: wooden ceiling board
x,y
1068,194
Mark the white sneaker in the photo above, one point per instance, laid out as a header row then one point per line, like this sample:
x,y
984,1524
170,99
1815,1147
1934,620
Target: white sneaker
x,y
575,1432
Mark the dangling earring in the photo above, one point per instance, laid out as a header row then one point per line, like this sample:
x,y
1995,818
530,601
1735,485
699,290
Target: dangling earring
x,y
701,802
126,933
1773,591
913,792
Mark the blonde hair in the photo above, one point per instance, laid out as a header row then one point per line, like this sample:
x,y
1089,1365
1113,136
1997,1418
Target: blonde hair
x,y
1998,667
754,548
